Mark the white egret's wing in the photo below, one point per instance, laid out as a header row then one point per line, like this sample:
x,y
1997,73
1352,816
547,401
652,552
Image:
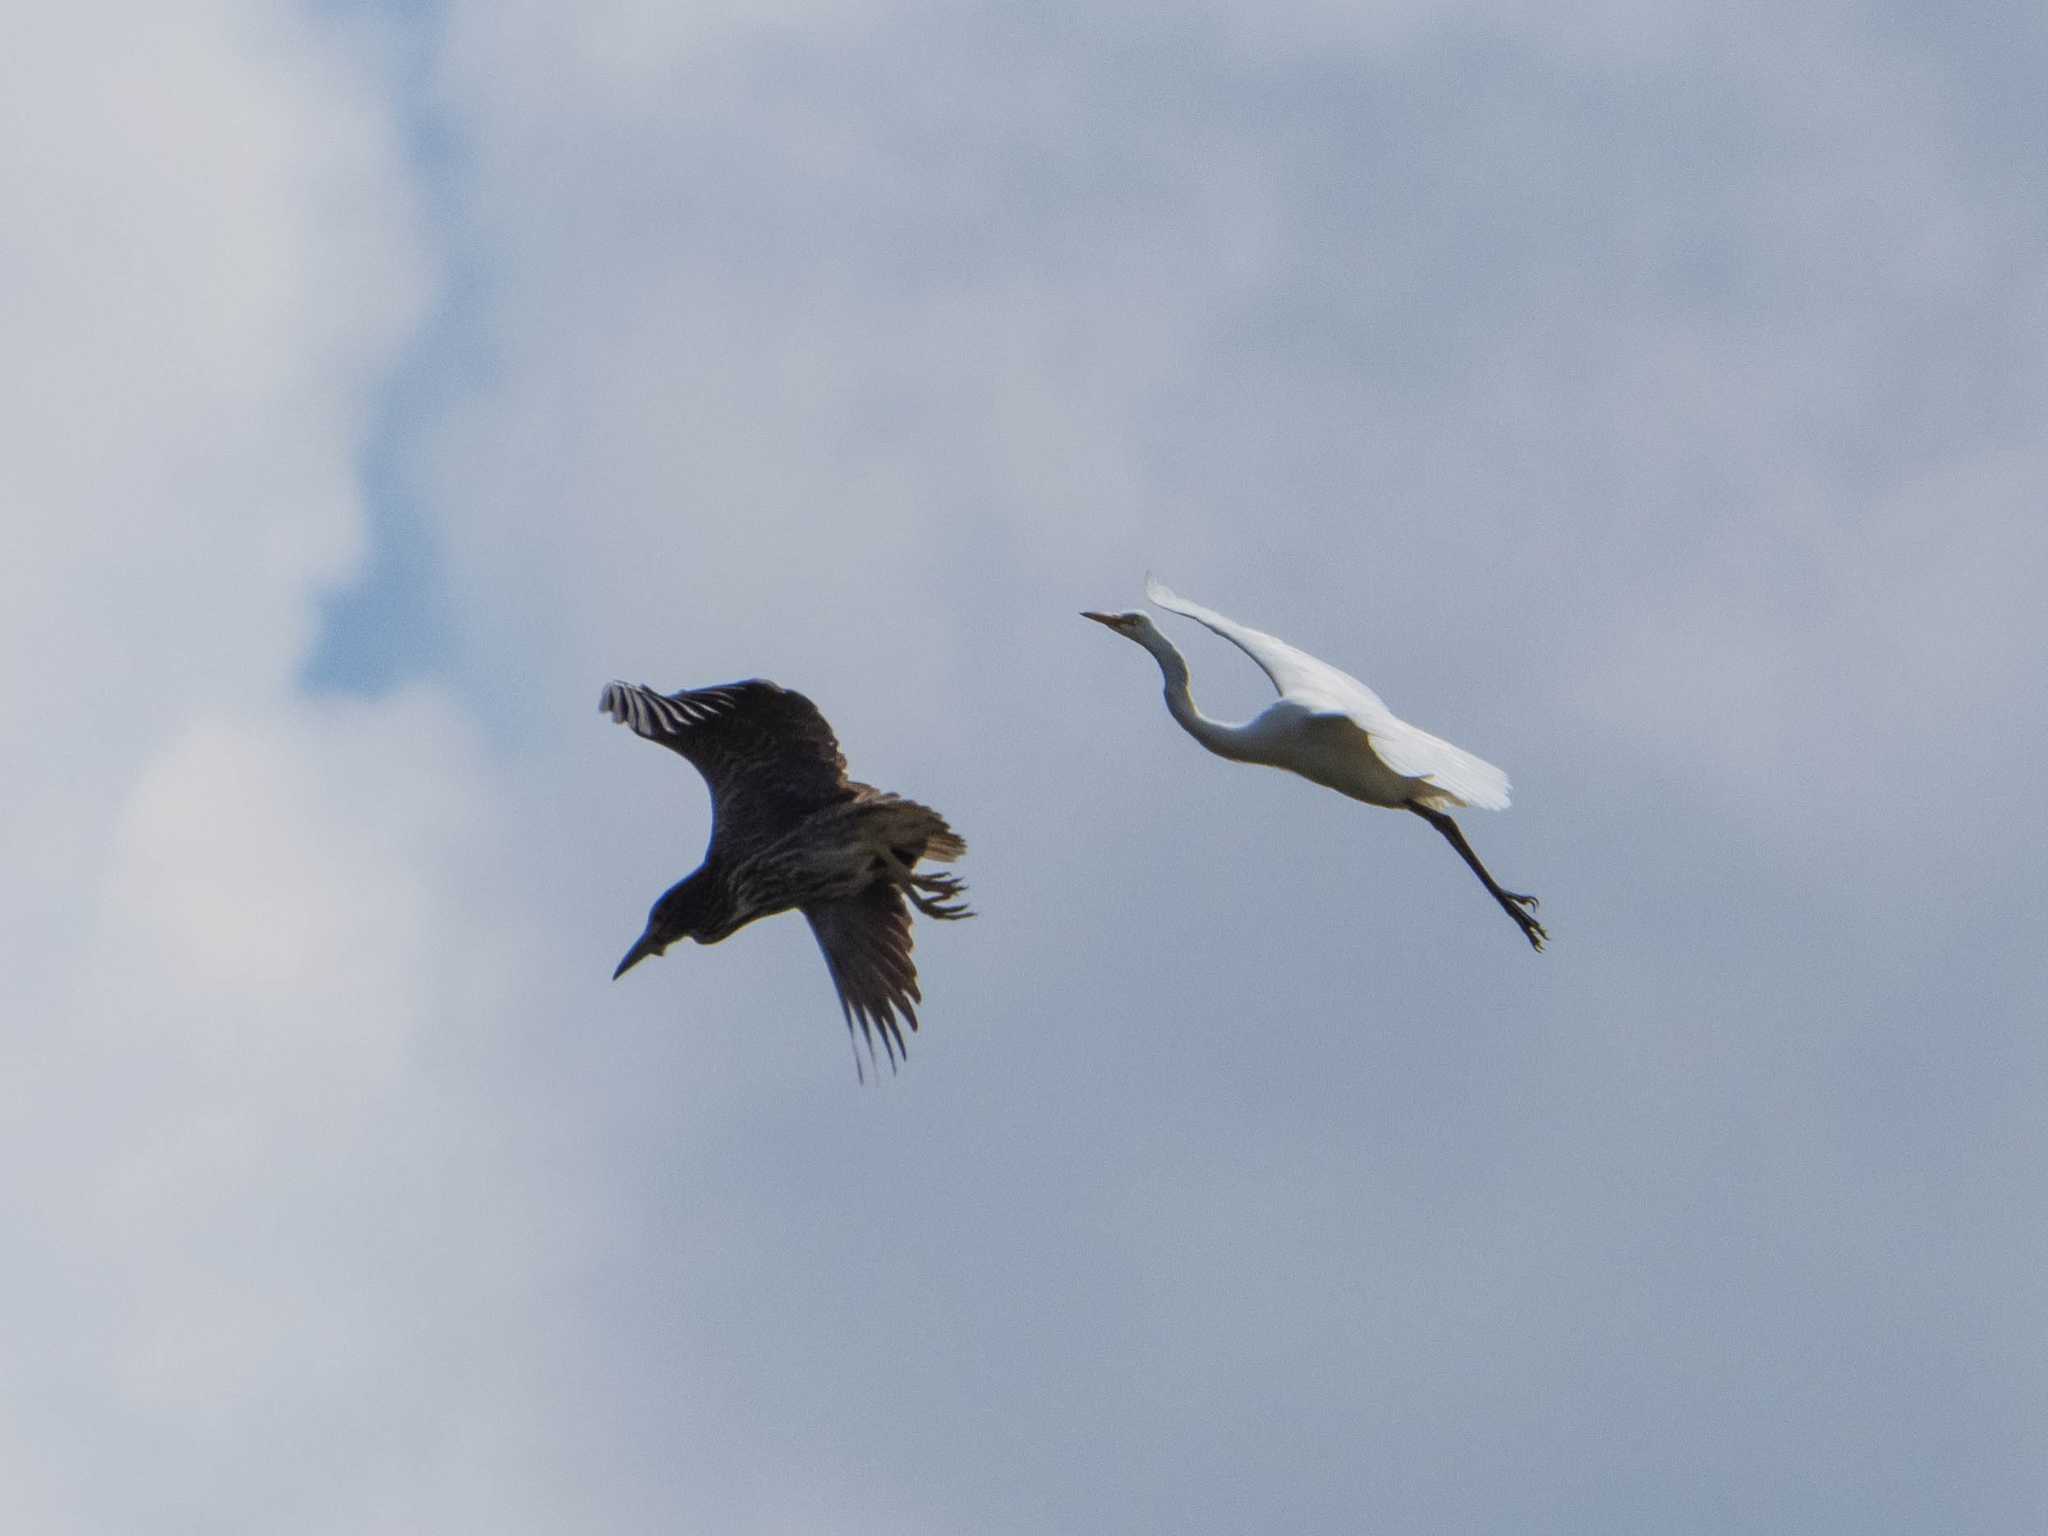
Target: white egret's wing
x,y
1467,780
1299,676
1408,750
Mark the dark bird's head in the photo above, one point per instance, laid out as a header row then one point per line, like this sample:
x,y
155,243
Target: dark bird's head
x,y
683,912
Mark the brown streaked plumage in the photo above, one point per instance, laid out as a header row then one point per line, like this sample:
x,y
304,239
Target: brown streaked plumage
x,y
790,830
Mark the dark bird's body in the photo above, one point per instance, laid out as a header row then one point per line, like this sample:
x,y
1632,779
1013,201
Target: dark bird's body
x,y
791,831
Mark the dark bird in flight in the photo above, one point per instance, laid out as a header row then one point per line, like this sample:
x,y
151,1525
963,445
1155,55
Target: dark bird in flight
x,y
788,829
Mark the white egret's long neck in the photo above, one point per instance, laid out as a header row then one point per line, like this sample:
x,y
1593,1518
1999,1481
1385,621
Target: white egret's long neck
x,y
1224,740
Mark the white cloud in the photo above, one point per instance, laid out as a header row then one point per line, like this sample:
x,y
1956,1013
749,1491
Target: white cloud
x,y
213,258
258,1273
302,1292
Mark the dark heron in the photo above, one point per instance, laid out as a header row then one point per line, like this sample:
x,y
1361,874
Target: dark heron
x,y
788,829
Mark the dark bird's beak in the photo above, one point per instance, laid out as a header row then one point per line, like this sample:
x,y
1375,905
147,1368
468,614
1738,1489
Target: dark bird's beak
x,y
642,948
1100,618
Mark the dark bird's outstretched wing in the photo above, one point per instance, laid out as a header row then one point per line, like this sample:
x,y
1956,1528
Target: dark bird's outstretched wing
x,y
766,753
866,940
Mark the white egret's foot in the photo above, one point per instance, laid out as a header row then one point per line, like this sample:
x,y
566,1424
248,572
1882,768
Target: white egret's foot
x,y
1514,903
1517,906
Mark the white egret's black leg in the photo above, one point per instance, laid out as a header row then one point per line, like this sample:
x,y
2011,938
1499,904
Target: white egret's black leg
x,y
1513,903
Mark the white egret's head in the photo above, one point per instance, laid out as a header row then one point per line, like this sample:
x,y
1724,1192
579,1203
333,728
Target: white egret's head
x,y
1132,626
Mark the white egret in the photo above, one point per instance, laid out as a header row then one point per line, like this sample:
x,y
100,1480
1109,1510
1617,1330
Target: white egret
x,y
1330,728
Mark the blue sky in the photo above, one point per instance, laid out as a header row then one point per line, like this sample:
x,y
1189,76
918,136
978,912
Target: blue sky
x,y
1647,399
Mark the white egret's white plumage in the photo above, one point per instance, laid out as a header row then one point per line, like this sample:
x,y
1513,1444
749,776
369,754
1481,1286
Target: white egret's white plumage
x,y
1330,728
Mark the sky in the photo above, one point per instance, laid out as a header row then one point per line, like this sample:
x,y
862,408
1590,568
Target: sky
x,y
1647,398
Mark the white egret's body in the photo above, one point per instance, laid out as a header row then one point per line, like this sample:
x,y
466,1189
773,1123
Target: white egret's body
x,y
1330,728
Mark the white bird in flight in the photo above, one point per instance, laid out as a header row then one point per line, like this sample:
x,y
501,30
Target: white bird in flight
x,y
1330,728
